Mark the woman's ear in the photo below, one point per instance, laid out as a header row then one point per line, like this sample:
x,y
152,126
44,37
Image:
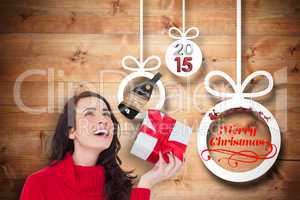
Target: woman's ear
x,y
72,133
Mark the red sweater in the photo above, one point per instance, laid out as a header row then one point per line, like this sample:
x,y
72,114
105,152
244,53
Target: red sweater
x,y
65,181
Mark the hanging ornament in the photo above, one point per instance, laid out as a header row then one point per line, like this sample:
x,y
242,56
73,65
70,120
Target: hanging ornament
x,y
215,134
139,71
183,57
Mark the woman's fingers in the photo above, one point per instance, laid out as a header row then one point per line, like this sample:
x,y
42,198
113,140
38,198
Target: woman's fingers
x,y
162,170
178,165
168,169
161,162
170,166
173,166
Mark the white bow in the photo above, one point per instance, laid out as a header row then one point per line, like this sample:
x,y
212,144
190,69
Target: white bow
x,y
141,64
183,34
238,89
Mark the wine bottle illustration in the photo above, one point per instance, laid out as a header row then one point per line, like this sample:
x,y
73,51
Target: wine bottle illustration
x,y
138,97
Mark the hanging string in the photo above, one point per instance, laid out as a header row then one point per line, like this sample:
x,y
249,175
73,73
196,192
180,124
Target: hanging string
x,y
183,16
141,31
174,31
239,44
141,63
238,86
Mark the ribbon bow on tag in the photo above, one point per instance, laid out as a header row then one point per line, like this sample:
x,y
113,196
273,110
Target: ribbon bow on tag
x,y
141,65
238,88
183,34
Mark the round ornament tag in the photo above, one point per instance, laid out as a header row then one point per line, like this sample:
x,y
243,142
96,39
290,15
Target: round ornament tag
x,y
239,141
183,57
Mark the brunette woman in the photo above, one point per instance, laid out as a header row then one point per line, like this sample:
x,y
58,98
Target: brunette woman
x,y
84,164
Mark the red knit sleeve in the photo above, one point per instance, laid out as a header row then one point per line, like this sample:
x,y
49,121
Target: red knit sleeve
x,y
140,194
31,189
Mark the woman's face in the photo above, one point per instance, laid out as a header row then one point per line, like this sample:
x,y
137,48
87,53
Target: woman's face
x,y
94,126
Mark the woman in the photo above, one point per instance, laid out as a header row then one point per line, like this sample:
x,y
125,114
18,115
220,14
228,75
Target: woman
x,y
84,164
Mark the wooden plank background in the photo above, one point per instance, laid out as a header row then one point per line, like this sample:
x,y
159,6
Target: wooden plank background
x,y
80,40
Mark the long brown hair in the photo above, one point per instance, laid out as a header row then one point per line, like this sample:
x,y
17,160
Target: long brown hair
x,y
118,182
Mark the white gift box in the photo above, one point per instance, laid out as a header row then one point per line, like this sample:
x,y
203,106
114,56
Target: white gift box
x,y
145,143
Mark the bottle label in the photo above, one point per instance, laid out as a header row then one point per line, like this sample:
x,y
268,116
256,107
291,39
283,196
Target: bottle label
x,y
136,101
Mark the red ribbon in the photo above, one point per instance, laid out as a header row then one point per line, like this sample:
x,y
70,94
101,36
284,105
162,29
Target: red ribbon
x,y
163,128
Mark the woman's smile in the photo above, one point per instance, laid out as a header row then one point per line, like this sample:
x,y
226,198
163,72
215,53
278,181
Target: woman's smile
x,y
101,132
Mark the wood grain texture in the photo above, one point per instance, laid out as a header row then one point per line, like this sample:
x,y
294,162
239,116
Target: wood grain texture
x,y
84,40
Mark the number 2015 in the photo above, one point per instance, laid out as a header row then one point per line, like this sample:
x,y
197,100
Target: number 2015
x,y
184,65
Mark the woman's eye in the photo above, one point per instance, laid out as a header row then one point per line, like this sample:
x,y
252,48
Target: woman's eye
x,y
107,114
89,114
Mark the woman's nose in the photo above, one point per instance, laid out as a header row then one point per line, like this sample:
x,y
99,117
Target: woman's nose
x,y
102,121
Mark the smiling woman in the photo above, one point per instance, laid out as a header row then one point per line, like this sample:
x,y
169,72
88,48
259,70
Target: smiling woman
x,y
84,163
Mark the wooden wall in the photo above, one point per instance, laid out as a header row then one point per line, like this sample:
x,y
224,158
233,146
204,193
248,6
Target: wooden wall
x,y
76,40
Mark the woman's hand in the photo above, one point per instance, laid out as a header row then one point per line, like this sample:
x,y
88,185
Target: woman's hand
x,y
161,171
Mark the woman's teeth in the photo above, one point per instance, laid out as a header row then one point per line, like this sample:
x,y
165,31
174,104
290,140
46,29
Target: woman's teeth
x,y
101,132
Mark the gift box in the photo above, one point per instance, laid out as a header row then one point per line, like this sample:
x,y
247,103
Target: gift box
x,y
160,133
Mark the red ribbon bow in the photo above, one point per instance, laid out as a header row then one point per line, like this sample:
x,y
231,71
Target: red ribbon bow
x,y
163,128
